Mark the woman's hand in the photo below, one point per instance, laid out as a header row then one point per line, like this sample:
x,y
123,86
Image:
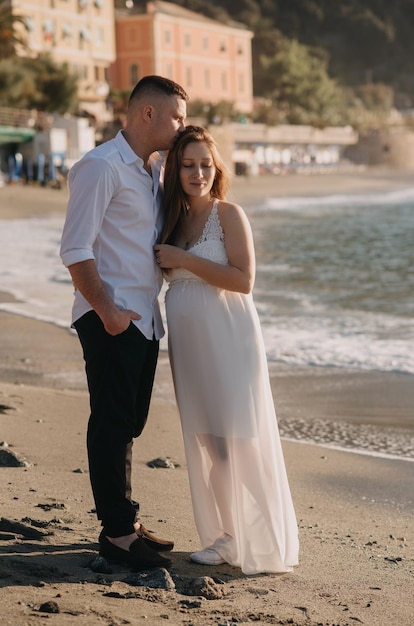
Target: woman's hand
x,y
169,257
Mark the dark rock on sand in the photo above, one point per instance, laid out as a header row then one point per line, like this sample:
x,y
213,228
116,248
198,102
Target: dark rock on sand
x,y
162,462
25,530
203,586
8,458
158,578
100,565
4,408
49,607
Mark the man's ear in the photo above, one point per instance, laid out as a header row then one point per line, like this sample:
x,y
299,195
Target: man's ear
x,y
148,112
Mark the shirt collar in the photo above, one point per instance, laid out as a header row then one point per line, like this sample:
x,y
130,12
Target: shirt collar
x,y
129,156
125,150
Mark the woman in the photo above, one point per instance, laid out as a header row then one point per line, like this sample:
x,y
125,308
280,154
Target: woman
x,y
240,493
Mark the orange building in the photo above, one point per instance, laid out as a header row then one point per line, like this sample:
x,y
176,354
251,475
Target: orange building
x,y
77,32
211,60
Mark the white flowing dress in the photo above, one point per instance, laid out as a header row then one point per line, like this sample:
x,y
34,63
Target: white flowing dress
x,y
239,487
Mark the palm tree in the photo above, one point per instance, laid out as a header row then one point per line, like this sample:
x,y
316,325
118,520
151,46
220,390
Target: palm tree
x,y
10,37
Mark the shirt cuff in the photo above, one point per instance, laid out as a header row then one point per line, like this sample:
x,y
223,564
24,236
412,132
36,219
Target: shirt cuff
x,y
71,257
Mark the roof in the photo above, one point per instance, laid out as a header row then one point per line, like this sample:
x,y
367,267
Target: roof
x,y
9,134
174,10
168,8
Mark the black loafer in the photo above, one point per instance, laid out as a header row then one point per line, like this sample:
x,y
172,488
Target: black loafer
x,y
139,557
153,542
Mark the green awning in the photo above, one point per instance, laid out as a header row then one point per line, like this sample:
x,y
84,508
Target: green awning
x,y
10,134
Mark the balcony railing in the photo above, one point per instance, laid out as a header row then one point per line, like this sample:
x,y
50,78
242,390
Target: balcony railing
x,y
23,118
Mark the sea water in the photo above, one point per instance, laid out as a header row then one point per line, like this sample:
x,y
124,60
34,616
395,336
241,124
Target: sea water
x,y
334,284
335,280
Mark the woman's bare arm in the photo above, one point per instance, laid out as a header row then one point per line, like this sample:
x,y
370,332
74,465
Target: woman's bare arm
x,y
239,274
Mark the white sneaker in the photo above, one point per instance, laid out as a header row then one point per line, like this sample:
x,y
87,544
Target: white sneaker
x,y
209,556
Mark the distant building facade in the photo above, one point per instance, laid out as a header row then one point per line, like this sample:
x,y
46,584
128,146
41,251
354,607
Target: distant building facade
x,y
77,32
211,60
261,149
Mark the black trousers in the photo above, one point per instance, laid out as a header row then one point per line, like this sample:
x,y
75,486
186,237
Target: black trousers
x,y
120,373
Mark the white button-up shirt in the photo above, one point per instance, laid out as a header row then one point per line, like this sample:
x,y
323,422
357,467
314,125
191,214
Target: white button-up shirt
x,y
114,216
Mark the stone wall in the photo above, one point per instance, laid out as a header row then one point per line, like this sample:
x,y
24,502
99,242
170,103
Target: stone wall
x,y
391,147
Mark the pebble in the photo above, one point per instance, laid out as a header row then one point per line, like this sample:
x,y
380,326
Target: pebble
x,y
100,565
49,607
162,462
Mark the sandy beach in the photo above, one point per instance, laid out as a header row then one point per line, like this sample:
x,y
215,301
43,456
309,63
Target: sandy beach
x,y
355,511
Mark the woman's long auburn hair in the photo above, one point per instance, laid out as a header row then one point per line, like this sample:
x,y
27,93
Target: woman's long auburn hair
x,y
175,200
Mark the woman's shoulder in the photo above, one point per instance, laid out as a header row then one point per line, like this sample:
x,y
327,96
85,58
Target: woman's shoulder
x,y
229,212
228,209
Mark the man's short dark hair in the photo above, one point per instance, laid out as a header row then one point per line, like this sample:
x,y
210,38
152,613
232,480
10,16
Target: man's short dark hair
x,y
158,85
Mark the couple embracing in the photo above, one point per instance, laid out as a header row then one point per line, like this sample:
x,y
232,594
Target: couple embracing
x,y
124,233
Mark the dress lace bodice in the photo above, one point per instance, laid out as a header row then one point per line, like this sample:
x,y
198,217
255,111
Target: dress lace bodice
x,y
212,228
210,245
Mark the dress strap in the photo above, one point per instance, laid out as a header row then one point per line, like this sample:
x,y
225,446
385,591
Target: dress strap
x,y
212,228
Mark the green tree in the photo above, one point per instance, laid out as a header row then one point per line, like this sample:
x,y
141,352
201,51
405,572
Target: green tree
x,y
40,83
198,108
212,112
376,97
299,86
265,112
10,36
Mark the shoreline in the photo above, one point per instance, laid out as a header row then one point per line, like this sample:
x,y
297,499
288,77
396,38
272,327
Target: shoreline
x,y
21,201
353,411
355,511
327,446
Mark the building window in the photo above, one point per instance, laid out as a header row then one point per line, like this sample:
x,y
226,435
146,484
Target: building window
x,y
66,30
84,34
241,83
189,77
99,36
205,42
49,30
207,79
187,40
169,70
167,37
224,81
240,48
223,46
30,24
133,74
100,76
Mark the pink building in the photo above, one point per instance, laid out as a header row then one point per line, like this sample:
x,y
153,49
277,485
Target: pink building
x,y
211,60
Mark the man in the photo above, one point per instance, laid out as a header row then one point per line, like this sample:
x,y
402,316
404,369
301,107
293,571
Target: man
x,y
114,218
